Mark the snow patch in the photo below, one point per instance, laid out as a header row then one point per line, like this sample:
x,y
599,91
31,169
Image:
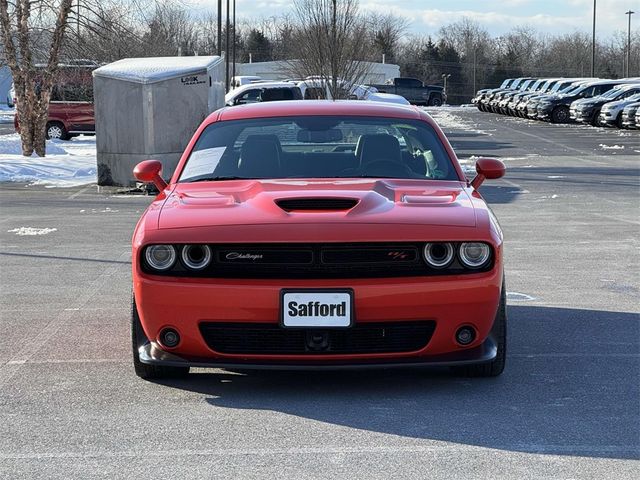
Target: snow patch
x,y
611,147
7,114
452,118
22,231
67,163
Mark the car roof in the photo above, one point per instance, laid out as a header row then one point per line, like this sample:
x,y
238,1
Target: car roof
x,y
251,86
290,108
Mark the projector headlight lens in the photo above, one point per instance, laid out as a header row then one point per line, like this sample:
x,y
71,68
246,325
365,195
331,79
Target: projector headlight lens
x,y
160,257
438,255
474,254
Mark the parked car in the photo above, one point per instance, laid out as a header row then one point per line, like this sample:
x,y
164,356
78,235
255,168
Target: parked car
x,y
414,90
560,88
483,96
511,101
71,111
628,115
588,110
493,100
315,234
263,92
484,91
611,112
556,108
241,80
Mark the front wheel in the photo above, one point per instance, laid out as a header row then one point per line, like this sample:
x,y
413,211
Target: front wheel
x,y
143,370
499,332
56,131
560,115
435,101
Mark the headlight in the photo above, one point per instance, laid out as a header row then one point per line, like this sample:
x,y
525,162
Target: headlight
x,y
474,254
160,257
438,255
196,257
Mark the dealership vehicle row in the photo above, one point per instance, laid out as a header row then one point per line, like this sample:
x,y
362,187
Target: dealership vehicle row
x,y
592,101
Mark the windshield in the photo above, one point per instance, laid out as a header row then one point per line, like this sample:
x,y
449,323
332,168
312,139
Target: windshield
x,y
506,83
613,93
524,85
563,87
577,90
536,86
318,147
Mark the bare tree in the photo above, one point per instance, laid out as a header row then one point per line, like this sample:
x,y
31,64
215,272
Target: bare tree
x,y
329,44
386,32
32,86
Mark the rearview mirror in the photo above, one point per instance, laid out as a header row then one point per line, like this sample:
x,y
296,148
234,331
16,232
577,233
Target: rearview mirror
x,y
487,168
149,172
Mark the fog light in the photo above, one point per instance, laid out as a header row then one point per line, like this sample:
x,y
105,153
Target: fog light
x,y
465,335
169,337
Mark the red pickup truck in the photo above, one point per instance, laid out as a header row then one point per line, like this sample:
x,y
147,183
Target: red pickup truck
x,y
71,108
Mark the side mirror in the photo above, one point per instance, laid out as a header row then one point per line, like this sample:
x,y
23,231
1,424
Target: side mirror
x,y
487,168
149,172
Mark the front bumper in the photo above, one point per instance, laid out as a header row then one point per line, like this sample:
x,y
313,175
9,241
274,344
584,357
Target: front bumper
x,y
607,118
449,301
582,115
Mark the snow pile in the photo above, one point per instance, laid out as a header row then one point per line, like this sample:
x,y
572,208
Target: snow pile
x,y
22,231
611,147
67,164
452,118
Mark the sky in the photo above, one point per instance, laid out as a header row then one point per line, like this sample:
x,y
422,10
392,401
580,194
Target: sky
x,y
497,16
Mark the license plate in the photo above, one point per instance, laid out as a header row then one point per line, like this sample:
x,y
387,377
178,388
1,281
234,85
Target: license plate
x,y
316,308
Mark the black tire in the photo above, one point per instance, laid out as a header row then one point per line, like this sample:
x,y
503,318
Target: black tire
x,y
499,331
560,115
148,372
435,101
595,121
56,131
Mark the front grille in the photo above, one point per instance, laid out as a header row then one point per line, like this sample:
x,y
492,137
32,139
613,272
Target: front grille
x,y
271,339
316,204
316,261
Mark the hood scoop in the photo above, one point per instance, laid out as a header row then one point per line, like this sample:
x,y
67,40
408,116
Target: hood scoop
x,y
317,204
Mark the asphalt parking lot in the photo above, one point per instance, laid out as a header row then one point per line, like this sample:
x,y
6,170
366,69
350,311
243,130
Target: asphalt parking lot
x,y
566,407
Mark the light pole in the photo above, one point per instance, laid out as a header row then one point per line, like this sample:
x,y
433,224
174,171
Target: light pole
x,y
629,44
219,28
444,79
593,43
226,50
233,50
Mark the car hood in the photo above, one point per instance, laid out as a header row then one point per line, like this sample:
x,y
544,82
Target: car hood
x,y
260,202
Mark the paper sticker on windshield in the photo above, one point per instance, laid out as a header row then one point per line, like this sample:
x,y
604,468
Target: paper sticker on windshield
x,y
203,162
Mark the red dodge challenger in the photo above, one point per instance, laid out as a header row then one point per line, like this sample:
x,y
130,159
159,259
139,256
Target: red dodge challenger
x,y
318,234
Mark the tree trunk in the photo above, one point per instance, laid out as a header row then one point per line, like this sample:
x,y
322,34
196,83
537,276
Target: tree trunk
x,y
33,89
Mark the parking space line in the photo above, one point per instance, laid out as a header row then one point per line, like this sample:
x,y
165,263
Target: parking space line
x,y
11,367
79,192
